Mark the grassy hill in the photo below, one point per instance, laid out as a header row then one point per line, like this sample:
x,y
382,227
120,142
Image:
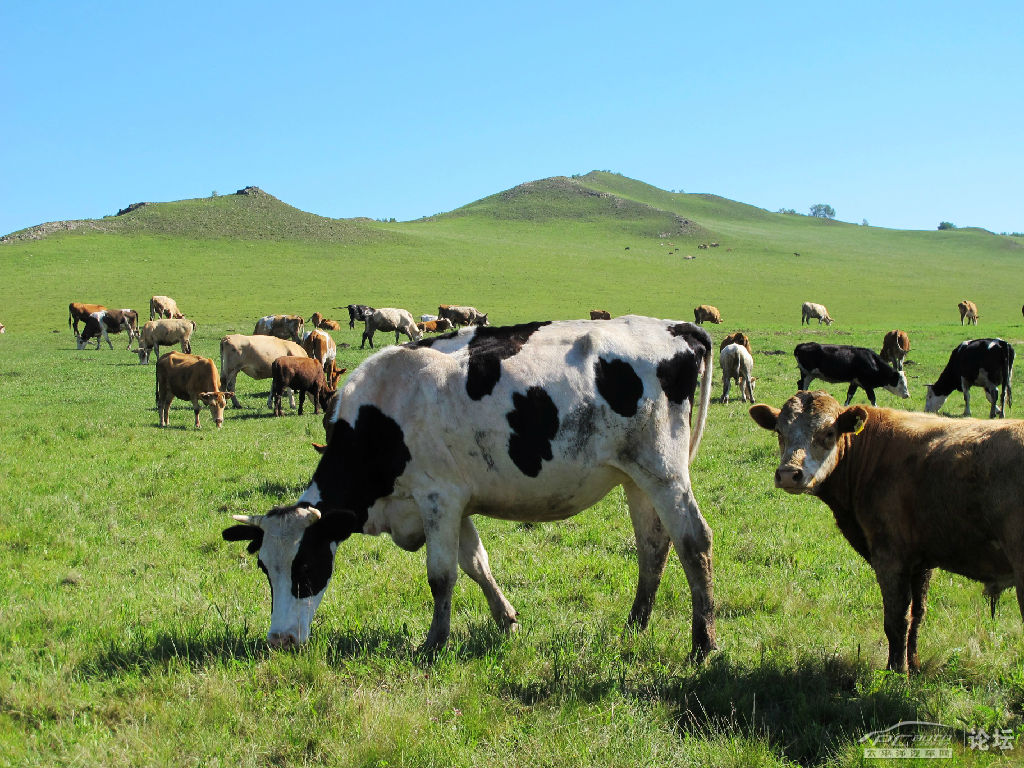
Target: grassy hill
x,y
130,634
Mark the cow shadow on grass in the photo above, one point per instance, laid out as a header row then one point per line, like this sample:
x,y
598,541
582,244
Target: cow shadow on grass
x,y
481,639
162,651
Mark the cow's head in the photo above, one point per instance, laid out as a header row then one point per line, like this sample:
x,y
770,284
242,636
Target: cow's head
x,y
900,388
295,548
82,341
216,401
143,353
933,401
810,426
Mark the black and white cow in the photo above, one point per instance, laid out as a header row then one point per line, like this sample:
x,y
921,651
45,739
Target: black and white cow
x,y
986,363
530,422
358,312
860,366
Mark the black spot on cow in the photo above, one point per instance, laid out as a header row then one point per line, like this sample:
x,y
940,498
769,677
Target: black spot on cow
x,y
488,347
619,384
578,429
429,341
678,376
698,339
534,422
361,463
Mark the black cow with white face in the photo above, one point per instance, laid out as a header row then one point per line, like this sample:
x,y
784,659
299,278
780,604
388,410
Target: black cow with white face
x,y
860,366
358,312
529,422
985,363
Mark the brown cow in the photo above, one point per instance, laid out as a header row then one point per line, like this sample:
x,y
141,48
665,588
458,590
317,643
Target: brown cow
x,y
164,307
281,326
600,314
320,346
435,326
78,312
706,312
969,310
303,374
189,377
895,346
911,492
736,338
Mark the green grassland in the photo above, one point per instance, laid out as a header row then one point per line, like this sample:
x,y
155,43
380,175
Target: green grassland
x,y
131,635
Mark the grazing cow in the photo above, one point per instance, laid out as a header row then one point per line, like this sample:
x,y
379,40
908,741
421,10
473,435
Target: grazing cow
x,y
736,338
164,332
986,363
358,312
860,366
253,356
320,346
164,307
911,492
329,325
389,319
895,346
461,316
99,324
600,314
534,422
281,326
78,312
435,326
189,377
810,310
706,312
314,319
702,247
969,310
302,375
737,365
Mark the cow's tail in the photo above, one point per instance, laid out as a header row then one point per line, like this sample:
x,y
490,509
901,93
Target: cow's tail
x,y
697,432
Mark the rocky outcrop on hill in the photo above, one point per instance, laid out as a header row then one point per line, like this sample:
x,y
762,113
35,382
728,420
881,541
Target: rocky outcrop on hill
x,y
130,208
43,230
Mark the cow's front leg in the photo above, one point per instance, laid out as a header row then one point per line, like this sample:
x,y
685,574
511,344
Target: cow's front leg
x,y
196,407
965,387
474,562
896,600
442,520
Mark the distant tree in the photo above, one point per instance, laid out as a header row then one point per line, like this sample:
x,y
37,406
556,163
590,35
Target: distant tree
x,y
213,193
947,225
864,223
823,211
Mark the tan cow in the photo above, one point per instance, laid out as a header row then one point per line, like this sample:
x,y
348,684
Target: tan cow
x,y
810,311
895,346
2,329
320,346
164,307
969,310
189,377
462,315
164,332
708,313
736,338
281,326
911,492
600,314
253,356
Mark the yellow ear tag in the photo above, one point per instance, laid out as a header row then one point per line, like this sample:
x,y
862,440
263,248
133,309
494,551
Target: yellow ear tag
x,y
859,426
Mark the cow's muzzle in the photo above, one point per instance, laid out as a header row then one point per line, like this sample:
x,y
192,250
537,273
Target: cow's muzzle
x,y
789,479
283,641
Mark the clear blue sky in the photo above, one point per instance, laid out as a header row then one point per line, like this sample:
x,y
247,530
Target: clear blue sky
x,y
904,114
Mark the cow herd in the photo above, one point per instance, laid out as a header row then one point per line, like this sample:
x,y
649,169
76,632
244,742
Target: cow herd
x,y
538,421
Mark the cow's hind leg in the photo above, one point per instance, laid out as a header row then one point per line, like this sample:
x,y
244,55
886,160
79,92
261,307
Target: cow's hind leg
x,y
474,562
919,598
992,395
652,544
850,392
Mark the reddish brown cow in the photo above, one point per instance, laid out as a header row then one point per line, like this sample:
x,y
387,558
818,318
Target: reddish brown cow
x,y
708,313
189,377
78,312
895,346
736,338
435,326
302,375
600,314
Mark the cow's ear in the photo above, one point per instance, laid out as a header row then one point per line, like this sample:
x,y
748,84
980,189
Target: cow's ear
x,y
765,416
852,420
250,533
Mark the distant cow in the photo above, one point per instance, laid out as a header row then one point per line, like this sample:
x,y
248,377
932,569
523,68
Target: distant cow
x,y
460,316
99,324
164,307
2,329
358,312
157,333
280,326
189,377
895,346
708,313
435,326
532,422
986,363
810,311
78,312
968,310
860,366
736,338
600,314
320,346
317,320
253,356
911,492
737,365
303,375
390,319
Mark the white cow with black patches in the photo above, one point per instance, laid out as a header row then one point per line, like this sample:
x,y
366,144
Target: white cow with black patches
x,y
530,422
